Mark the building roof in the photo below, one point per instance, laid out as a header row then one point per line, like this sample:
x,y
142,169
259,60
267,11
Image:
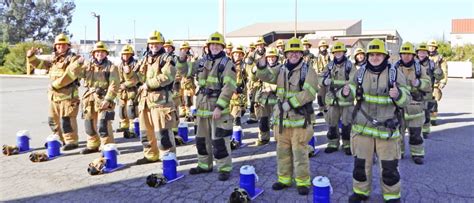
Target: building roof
x,y
315,42
260,29
459,26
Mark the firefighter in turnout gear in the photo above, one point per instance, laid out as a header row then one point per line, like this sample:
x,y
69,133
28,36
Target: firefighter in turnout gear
x,y
254,84
359,58
322,61
435,74
440,84
380,90
157,111
334,77
280,45
418,82
129,82
296,90
63,94
216,77
187,83
266,99
308,57
102,82
238,102
228,49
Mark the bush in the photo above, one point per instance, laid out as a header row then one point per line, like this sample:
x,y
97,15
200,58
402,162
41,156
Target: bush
x,y
4,50
15,61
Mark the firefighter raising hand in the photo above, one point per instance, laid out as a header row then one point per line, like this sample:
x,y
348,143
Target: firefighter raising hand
x,y
394,91
32,51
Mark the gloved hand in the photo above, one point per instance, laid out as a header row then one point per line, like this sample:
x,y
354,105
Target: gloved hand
x,y
286,106
239,90
441,85
327,81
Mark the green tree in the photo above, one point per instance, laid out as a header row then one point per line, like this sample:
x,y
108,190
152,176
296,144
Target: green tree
x,y
16,59
34,19
3,52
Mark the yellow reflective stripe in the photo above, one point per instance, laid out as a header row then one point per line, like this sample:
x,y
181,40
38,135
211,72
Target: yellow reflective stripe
x,y
424,83
403,98
377,99
294,102
225,169
212,79
339,82
417,150
202,82
310,88
353,88
71,74
373,132
207,113
222,102
231,81
203,165
413,116
284,180
301,182
288,123
390,196
360,192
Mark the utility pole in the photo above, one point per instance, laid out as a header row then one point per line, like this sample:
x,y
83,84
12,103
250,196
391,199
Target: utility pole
x,y
296,16
98,24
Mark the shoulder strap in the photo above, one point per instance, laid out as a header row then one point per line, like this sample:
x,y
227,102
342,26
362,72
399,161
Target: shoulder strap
x,y
392,74
417,69
347,69
221,68
303,73
360,74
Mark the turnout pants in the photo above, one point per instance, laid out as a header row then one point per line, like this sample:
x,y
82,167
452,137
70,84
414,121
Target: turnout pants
x,y
62,119
334,114
263,113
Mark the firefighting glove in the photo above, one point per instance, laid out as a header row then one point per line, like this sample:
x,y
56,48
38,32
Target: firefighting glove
x,y
10,150
234,144
155,180
286,106
97,166
239,90
178,140
38,157
239,195
327,81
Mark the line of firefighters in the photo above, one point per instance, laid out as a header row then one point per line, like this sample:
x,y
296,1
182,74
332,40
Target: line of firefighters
x,y
368,104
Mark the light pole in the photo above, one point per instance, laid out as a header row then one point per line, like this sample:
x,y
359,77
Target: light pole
x,y
98,24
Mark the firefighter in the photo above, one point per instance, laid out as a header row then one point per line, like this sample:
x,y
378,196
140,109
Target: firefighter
x,y
440,84
228,49
102,82
250,49
334,77
187,83
280,45
435,74
321,62
418,82
157,111
359,58
380,90
169,47
217,82
296,90
238,103
254,83
266,99
307,55
129,83
63,94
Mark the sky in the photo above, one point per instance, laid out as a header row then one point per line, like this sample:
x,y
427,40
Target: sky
x,y
415,21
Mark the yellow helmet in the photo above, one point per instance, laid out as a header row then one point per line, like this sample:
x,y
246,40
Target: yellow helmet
x,y
252,45
185,46
168,43
359,51
229,45
155,37
216,38
260,41
62,39
407,48
271,52
306,42
293,44
280,43
376,46
338,46
433,43
127,49
422,47
238,49
323,43
100,46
